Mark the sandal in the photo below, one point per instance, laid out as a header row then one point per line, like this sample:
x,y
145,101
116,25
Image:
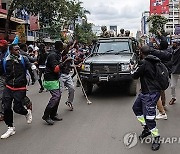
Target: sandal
x,y
172,101
69,104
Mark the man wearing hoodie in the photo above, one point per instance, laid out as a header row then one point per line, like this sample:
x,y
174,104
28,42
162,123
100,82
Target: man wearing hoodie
x,y
145,104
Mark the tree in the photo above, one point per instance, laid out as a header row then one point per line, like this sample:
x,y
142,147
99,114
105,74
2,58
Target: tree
x,y
157,24
67,15
45,9
84,34
75,10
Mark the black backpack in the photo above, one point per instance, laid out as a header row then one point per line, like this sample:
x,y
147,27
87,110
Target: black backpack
x,y
162,76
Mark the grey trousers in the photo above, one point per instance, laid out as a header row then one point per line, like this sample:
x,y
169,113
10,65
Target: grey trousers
x,y
66,81
174,80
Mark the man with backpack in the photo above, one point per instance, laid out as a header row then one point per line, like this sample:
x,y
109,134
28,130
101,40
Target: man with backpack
x,y
151,72
14,67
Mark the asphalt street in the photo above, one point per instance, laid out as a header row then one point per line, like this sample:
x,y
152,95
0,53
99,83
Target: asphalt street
x,y
98,128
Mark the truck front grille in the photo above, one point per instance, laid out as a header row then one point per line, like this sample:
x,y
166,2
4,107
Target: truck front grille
x,y
104,68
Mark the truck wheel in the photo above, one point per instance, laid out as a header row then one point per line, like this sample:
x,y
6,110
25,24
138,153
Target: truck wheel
x,y
87,87
132,88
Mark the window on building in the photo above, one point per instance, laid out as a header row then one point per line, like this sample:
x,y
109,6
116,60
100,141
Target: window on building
x,y
4,6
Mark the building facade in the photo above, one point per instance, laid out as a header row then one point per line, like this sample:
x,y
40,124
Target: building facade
x,y
173,17
144,23
169,9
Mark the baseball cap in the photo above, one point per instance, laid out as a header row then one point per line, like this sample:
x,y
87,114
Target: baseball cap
x,y
3,43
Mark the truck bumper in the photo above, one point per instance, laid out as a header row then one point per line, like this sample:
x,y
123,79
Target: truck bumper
x,y
96,78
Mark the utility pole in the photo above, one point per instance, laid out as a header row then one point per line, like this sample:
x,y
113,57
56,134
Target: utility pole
x,y
173,17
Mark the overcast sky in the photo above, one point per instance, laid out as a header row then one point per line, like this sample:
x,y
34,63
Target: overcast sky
x,y
123,13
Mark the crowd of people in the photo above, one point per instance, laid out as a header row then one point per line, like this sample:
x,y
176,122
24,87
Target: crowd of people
x,y
159,63
21,65
110,33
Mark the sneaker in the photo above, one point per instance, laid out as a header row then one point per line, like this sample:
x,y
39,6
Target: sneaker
x,y
66,88
29,116
156,143
48,120
56,118
172,101
161,116
145,133
69,104
10,132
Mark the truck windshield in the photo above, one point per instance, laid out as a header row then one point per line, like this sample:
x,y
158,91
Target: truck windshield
x,y
113,47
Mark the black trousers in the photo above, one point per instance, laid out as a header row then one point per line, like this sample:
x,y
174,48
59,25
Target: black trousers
x,y
41,72
15,97
52,107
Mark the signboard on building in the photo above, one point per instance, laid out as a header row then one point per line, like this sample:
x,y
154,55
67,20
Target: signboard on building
x,y
21,33
34,23
158,7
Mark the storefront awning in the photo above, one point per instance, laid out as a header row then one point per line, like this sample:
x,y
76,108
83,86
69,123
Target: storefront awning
x,y
19,21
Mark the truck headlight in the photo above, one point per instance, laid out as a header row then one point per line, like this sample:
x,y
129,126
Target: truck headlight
x,y
125,67
86,67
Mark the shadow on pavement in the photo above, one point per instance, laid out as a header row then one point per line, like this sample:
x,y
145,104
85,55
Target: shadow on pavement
x,y
110,90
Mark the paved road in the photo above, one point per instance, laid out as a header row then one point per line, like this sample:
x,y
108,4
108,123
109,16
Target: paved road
x,y
90,129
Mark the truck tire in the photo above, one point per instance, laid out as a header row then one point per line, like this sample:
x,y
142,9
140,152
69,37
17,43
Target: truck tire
x,y
132,88
88,87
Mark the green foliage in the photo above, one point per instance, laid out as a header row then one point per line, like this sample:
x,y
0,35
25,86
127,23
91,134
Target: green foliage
x,y
84,34
49,10
66,15
75,10
157,24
